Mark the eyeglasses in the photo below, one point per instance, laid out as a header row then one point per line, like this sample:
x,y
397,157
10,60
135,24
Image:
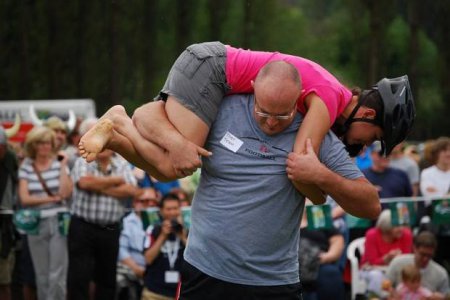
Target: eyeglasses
x,y
277,117
425,254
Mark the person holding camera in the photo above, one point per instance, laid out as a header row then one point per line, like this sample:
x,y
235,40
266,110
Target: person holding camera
x,y
164,246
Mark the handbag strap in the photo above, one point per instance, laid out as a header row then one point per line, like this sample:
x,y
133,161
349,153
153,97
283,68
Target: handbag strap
x,y
44,185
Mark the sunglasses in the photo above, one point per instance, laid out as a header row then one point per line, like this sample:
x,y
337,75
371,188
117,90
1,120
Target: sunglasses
x,y
145,200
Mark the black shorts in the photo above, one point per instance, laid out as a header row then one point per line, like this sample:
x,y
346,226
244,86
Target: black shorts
x,y
196,285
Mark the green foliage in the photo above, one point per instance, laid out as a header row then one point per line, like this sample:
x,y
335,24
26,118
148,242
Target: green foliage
x,y
121,52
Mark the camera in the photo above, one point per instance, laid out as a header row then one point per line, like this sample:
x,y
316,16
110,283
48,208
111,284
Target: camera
x,y
176,226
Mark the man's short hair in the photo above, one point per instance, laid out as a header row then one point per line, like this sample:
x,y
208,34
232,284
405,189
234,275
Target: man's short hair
x,y
425,239
169,197
281,69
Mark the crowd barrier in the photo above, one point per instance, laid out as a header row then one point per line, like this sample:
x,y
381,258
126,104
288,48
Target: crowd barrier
x,y
403,212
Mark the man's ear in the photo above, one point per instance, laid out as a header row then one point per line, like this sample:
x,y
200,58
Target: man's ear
x,y
252,83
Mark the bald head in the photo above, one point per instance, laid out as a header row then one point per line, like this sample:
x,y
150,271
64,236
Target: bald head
x,y
278,81
277,88
279,70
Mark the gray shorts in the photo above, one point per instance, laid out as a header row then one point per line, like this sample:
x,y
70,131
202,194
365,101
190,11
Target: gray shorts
x,y
198,80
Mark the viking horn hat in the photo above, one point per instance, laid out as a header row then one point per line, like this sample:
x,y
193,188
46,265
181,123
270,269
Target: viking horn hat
x,y
12,131
70,123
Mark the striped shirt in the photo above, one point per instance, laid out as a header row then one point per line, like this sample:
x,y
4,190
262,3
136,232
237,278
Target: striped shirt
x,y
35,188
93,207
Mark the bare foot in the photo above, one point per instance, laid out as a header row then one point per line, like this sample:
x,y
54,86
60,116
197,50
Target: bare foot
x,y
96,139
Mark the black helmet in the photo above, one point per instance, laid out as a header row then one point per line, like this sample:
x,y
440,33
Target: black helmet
x,y
399,111
395,116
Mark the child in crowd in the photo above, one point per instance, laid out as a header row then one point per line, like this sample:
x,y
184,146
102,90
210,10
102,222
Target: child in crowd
x,y
410,288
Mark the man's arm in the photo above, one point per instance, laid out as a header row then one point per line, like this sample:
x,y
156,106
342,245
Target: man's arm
x,y
356,196
334,251
98,184
137,269
121,191
152,253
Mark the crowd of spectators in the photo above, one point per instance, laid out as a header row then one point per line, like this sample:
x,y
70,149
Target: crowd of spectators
x,y
92,238
73,230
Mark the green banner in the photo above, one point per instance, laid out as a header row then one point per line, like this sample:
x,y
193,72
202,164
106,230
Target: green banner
x,y
441,211
319,216
150,217
186,214
63,223
355,222
403,213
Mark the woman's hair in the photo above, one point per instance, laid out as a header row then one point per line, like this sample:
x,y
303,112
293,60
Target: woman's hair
x,y
384,221
441,144
410,273
38,134
371,99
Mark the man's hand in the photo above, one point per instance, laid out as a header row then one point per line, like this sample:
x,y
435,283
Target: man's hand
x,y
299,170
304,168
185,158
166,228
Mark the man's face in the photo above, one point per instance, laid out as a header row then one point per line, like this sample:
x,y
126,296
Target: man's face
x,y
379,163
146,200
170,209
61,137
275,104
422,256
272,118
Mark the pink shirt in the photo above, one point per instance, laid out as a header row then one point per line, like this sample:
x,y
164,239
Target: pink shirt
x,y
375,247
242,66
407,294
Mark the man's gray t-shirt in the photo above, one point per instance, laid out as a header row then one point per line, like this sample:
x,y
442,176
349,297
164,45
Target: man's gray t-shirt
x,y
246,212
434,276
